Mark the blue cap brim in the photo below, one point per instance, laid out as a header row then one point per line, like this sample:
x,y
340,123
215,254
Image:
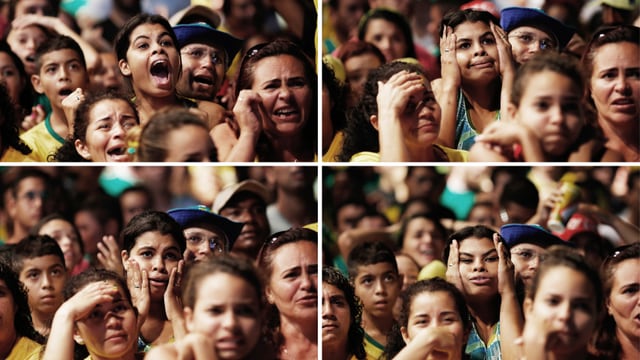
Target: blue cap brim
x,y
203,33
514,17
187,217
514,234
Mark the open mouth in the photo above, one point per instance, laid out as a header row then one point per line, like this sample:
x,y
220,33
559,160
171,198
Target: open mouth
x,y
284,113
118,153
160,73
30,58
65,92
204,80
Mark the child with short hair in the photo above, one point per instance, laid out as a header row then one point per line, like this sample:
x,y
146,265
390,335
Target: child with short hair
x,y
374,273
39,263
61,74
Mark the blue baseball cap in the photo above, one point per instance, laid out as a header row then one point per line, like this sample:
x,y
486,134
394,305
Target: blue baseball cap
x,y
514,17
200,214
514,234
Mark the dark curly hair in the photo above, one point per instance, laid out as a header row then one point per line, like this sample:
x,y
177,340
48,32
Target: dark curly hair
x,y
360,135
28,94
22,322
9,132
355,338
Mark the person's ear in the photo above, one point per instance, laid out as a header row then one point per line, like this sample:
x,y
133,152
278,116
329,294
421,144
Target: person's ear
x,y
124,255
188,318
405,334
82,149
373,119
269,295
37,84
512,110
76,336
124,68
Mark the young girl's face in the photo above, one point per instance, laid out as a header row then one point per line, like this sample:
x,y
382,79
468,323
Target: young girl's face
x,y
422,241
387,37
110,330
565,300
109,120
479,267
553,113
434,310
615,82
357,69
228,310
285,92
24,42
152,61
624,298
157,254
10,77
476,51
421,118
189,143
66,236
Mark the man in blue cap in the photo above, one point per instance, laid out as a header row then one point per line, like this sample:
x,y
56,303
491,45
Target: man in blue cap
x,y
207,234
526,243
531,30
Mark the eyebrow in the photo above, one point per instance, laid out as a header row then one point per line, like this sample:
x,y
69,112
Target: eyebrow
x,y
482,255
481,36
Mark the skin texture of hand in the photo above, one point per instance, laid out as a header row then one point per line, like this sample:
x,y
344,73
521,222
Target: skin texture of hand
x,y
138,284
453,267
109,255
449,69
447,87
69,106
36,117
502,135
193,346
506,282
505,57
84,301
433,341
545,206
394,95
173,303
538,336
246,122
248,112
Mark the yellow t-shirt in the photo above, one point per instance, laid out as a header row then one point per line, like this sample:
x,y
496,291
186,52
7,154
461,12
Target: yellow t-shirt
x,y
335,148
453,155
372,348
25,349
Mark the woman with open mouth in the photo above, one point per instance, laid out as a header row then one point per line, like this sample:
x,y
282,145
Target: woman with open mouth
x,y
102,130
275,112
148,57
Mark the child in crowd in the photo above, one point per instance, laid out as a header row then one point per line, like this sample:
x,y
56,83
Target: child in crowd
x,y
479,267
545,123
98,313
422,237
39,263
434,322
397,119
476,62
61,74
223,310
374,273
153,244
102,123
562,308
68,238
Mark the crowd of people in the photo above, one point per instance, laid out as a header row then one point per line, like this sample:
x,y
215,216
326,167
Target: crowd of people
x,y
117,266
457,81
478,263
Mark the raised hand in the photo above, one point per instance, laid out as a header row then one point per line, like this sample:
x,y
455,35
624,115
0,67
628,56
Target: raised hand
x,y
109,255
453,266
449,64
138,284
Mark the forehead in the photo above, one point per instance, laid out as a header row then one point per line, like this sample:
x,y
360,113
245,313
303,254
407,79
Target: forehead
x,y
59,56
611,55
471,29
331,290
41,262
428,301
6,60
274,66
527,246
204,228
147,29
421,223
27,31
375,269
56,224
532,30
379,25
245,199
30,183
627,272
300,251
108,105
476,245
156,240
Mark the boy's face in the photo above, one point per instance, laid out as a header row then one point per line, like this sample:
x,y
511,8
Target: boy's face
x,y
44,277
377,286
61,72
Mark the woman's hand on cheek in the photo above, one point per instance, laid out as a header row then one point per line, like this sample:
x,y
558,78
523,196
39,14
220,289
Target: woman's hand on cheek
x,y
138,284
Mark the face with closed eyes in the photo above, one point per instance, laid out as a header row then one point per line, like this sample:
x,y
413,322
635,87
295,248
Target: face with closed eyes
x,y
227,309
476,52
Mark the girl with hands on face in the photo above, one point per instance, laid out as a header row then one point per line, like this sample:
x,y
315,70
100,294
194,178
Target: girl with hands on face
x,y
479,267
476,62
153,242
547,121
397,119
434,323
97,313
